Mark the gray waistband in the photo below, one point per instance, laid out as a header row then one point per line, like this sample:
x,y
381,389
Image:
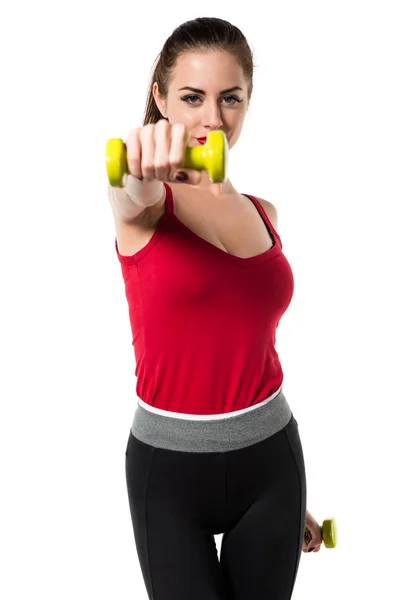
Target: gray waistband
x,y
216,435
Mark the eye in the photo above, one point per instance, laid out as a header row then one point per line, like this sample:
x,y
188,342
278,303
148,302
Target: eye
x,y
234,98
186,98
196,97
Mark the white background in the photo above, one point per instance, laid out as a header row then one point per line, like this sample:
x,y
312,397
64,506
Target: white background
x,y
321,142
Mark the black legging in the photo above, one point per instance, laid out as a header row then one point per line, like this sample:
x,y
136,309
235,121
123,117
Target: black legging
x,y
255,496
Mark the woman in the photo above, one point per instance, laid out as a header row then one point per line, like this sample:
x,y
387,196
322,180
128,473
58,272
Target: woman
x,y
214,447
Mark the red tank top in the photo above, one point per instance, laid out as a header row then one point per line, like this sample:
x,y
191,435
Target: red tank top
x,y
203,321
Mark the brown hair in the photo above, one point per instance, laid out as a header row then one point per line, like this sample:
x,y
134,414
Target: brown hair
x,y
201,34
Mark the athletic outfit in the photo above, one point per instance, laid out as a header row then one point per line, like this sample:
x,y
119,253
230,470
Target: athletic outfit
x,y
214,446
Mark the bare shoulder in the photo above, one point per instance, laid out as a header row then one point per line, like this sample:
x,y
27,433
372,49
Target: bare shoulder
x,y
271,211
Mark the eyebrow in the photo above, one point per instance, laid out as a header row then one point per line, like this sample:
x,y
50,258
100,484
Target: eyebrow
x,y
192,89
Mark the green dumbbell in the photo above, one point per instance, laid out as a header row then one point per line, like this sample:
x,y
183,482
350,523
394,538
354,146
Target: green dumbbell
x,y
328,533
211,156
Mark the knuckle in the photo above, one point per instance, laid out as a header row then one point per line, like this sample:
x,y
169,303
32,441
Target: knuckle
x,y
176,161
161,166
131,142
162,133
162,124
132,150
133,132
147,131
179,128
134,164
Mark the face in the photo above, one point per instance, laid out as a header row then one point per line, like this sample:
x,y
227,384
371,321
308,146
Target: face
x,y
218,98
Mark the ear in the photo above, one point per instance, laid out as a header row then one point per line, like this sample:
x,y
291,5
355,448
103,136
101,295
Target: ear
x,y
159,100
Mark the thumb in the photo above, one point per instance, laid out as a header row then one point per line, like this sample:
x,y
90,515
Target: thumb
x,y
190,176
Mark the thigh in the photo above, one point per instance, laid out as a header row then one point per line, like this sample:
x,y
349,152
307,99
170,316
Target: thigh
x,y
176,548
261,551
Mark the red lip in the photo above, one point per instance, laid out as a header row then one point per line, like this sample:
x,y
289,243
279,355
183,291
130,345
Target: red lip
x,y
202,140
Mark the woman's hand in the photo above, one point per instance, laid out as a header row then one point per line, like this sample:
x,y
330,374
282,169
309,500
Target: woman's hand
x,y
156,151
312,540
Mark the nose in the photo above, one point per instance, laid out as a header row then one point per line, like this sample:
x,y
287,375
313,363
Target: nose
x,y
212,116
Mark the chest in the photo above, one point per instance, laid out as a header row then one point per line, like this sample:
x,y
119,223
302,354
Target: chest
x,y
237,229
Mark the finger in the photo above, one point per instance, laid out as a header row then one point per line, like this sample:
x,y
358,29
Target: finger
x,y
162,138
148,147
308,545
177,148
179,140
133,153
307,536
315,548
